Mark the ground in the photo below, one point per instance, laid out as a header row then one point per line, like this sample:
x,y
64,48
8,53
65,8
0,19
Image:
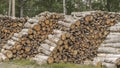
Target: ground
x,y
31,64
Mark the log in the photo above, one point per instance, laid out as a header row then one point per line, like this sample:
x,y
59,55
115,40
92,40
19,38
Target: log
x,y
8,54
106,60
50,60
58,33
109,65
108,55
47,47
11,42
28,25
50,43
2,57
40,59
33,21
53,38
108,50
44,51
65,24
114,45
15,38
36,27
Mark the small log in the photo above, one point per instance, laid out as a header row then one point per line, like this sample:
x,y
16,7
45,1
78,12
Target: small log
x,y
32,21
8,54
11,42
37,27
50,60
15,38
64,24
27,49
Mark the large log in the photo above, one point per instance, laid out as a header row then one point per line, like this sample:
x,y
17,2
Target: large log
x,y
40,58
109,65
108,50
53,38
114,45
108,55
112,60
50,43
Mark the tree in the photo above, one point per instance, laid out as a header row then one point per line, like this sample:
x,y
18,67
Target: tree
x,y
64,7
90,5
9,11
13,8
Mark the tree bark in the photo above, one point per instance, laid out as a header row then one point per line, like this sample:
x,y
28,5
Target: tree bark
x,y
21,11
108,5
9,11
64,7
13,8
90,5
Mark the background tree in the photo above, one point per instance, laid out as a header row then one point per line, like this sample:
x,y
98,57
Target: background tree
x,y
33,7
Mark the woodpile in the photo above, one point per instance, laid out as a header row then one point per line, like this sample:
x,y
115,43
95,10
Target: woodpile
x,y
8,27
27,45
83,38
109,50
52,38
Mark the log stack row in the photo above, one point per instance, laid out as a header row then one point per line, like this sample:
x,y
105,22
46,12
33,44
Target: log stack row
x,y
27,43
109,50
83,38
9,26
51,42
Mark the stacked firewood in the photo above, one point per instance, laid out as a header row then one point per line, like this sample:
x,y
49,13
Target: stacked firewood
x,y
28,44
8,27
83,38
76,39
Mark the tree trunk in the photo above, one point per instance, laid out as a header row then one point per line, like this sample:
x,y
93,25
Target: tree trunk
x,y
64,7
13,8
21,11
108,5
90,5
9,11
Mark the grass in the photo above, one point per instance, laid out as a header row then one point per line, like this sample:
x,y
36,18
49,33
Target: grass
x,y
68,65
24,62
33,64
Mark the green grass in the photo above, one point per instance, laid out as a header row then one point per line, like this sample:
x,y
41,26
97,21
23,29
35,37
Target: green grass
x,y
68,65
25,62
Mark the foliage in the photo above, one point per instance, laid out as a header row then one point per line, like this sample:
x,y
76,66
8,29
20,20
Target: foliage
x,y
3,7
34,7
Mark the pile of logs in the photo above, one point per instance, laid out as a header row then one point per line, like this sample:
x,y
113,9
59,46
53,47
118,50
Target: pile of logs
x,y
83,38
28,44
8,27
55,38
